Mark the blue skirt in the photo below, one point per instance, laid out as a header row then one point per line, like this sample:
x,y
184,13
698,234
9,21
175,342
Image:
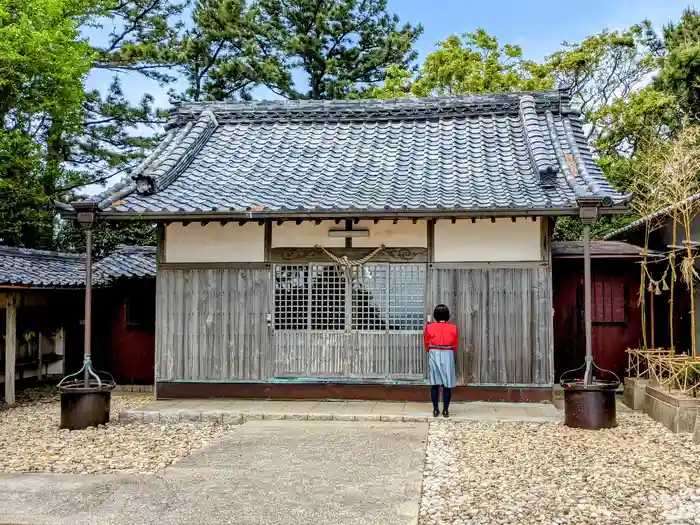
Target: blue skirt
x,y
441,368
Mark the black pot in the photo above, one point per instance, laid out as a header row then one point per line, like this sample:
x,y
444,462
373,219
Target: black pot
x,y
592,406
83,407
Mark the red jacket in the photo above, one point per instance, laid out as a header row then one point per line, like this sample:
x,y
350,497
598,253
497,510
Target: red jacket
x,y
441,336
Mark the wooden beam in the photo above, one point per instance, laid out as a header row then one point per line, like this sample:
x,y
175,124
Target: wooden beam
x,y
10,347
348,227
40,356
160,245
268,240
431,240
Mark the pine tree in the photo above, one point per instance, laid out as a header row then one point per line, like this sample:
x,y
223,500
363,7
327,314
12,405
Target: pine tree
x,y
305,49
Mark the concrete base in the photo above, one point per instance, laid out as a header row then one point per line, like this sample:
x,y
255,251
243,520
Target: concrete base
x,y
675,413
696,431
134,388
635,390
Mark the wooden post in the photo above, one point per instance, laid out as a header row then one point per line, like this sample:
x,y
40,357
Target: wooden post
x,y
40,356
10,347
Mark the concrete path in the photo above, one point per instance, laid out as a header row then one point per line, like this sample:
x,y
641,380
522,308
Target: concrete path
x,y
268,472
235,411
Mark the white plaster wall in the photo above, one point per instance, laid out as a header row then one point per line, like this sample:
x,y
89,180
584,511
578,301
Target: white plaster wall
x,y
48,345
215,242
403,234
306,235
483,240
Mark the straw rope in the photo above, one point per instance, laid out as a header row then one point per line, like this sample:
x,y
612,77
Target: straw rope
x,y
344,261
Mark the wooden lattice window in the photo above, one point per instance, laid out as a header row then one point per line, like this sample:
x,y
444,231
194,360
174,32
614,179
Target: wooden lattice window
x,y
382,296
609,300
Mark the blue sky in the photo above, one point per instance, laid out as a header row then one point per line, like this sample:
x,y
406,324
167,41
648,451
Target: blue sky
x,y
538,26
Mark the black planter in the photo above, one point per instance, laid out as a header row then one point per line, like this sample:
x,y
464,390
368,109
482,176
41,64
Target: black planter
x,y
83,407
592,406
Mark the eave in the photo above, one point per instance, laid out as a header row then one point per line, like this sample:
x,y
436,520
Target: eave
x,y
229,216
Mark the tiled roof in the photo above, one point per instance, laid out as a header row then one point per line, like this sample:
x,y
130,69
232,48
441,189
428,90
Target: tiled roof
x,y
21,266
128,262
599,249
480,152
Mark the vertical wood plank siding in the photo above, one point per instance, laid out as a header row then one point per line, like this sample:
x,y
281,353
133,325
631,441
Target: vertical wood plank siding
x,y
504,316
211,324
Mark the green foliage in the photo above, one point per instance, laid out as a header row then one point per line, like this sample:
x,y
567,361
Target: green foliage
x,y
571,228
343,47
106,236
605,68
42,62
26,212
477,63
680,72
143,41
42,66
220,56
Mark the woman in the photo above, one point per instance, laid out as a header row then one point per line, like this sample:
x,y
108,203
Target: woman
x,y
441,341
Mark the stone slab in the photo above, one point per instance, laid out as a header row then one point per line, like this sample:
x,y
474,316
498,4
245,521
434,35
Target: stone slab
x,y
345,411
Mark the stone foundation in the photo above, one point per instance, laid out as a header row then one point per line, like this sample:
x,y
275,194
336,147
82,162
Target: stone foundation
x,y
635,390
675,413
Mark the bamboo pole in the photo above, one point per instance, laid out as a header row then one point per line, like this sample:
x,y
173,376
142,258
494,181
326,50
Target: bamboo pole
x,y
672,264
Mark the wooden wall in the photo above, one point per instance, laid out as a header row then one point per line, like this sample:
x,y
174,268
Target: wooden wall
x,y
504,317
131,348
610,339
212,325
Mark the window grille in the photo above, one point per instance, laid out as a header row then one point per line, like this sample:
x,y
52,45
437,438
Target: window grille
x,y
380,296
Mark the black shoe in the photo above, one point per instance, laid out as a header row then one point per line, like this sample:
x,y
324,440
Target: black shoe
x,y
445,413
436,412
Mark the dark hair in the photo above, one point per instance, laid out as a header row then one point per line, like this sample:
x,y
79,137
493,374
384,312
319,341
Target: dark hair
x,y
441,313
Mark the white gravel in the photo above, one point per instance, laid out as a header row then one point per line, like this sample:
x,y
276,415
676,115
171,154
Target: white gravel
x,y
507,473
31,441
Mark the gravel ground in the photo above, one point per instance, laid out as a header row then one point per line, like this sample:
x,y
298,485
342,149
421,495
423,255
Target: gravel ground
x,y
31,441
507,473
